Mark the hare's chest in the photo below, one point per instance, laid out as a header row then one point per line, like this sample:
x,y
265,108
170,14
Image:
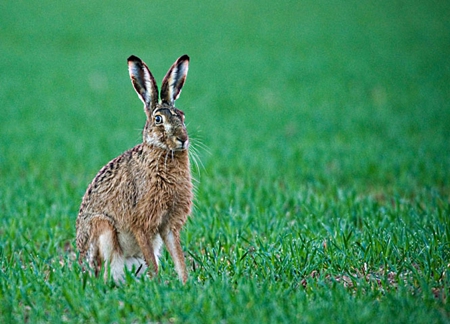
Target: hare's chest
x,y
159,197
174,199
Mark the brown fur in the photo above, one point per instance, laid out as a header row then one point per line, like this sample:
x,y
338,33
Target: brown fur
x,y
147,191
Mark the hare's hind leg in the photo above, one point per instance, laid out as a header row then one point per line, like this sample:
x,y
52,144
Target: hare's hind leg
x,y
172,241
106,249
94,258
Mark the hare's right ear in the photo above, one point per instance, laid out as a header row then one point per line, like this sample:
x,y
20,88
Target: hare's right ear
x,y
144,83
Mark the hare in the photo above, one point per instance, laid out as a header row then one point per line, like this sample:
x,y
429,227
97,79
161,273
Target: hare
x,y
142,198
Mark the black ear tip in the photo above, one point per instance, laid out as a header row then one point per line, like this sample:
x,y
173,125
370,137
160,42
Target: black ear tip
x,y
134,59
185,57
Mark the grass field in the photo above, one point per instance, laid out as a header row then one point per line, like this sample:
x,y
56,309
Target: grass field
x,y
323,194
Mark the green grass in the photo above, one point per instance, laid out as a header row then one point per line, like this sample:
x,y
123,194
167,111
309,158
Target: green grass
x,y
323,130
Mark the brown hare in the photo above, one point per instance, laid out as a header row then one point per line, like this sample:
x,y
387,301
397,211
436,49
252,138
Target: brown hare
x,y
143,197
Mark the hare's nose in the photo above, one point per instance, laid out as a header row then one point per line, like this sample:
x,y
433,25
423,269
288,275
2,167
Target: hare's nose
x,y
183,143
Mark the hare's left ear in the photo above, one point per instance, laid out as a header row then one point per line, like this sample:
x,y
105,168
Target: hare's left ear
x,y
174,80
144,83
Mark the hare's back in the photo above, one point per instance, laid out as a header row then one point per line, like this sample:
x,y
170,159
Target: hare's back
x,y
114,188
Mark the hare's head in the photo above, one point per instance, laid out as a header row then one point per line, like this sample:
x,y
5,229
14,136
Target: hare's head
x,y
165,124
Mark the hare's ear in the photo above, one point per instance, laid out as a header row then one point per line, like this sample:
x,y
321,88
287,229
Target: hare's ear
x,y
143,82
174,80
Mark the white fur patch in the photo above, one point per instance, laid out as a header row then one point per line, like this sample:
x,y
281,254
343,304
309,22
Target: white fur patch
x,y
151,140
157,244
168,128
105,245
117,268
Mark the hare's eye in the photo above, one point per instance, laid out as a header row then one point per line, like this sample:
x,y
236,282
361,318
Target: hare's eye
x,y
158,119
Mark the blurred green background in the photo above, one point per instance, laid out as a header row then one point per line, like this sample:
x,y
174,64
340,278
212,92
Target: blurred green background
x,y
298,110
354,93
